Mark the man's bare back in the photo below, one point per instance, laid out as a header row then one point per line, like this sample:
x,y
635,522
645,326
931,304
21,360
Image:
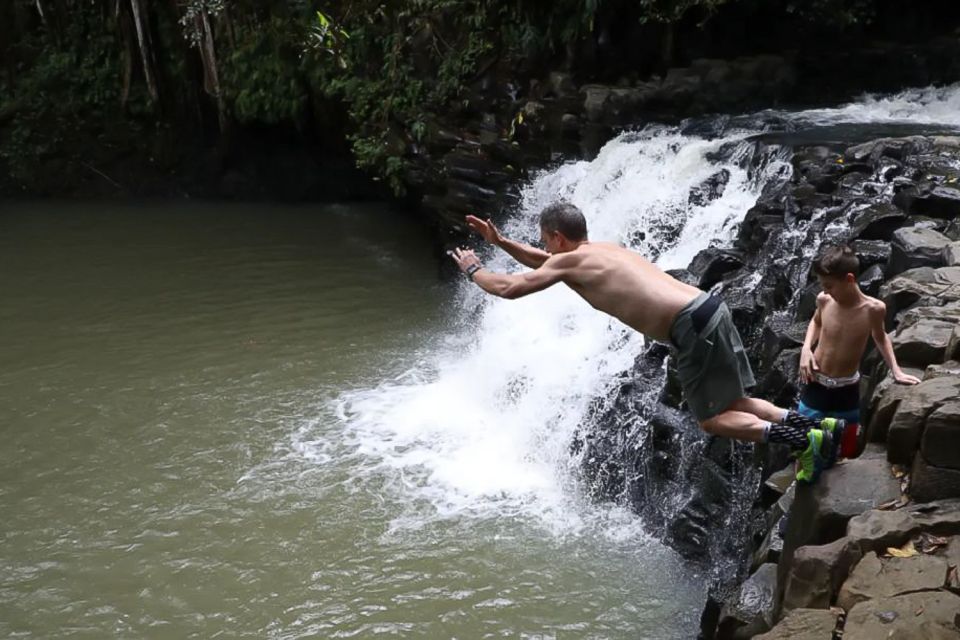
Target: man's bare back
x,y
625,285
844,331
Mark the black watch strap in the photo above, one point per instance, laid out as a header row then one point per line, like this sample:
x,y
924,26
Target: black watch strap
x,y
472,269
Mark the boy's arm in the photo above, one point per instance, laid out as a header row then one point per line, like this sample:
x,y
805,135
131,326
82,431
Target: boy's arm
x,y
808,363
523,253
878,313
510,286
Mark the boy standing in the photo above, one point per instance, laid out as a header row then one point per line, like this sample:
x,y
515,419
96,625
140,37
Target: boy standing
x,y
836,339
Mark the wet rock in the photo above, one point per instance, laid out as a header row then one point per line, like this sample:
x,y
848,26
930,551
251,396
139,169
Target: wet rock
x,y
940,445
929,482
750,611
871,280
906,427
953,229
871,252
903,614
915,247
937,201
875,530
817,572
711,264
710,189
875,577
878,221
803,624
807,301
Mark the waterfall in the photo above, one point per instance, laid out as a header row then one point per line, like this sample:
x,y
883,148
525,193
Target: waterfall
x,y
482,420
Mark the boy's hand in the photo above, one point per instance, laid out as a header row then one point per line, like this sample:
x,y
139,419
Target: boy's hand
x,y
808,365
485,228
905,378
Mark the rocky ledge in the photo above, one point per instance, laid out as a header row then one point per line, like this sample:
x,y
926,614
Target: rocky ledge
x,y
872,550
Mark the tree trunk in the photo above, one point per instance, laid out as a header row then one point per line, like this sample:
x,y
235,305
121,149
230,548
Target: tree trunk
x,y
211,77
143,37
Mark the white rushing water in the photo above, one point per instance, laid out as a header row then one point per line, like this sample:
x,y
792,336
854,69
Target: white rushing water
x,y
482,423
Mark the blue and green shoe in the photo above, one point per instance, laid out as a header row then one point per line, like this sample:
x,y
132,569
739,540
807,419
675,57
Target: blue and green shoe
x,y
812,461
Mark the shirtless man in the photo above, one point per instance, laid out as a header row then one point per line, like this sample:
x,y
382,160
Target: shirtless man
x,y
713,368
836,339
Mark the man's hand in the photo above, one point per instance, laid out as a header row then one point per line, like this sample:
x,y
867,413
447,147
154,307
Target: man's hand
x,y
808,365
905,378
485,228
464,258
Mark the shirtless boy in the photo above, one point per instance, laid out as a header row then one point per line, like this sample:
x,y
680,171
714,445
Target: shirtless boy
x,y
713,368
836,339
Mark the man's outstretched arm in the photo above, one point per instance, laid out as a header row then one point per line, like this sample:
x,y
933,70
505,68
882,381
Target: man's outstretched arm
x,y
522,253
504,285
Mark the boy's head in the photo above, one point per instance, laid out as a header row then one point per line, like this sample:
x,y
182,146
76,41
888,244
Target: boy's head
x,y
562,227
837,268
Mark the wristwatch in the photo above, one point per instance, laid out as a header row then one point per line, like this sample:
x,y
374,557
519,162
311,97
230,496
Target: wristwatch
x,y
472,269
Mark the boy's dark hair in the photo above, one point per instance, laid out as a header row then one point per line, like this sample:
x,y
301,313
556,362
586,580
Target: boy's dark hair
x,y
837,261
565,218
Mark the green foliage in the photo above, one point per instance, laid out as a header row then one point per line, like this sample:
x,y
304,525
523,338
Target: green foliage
x,y
261,76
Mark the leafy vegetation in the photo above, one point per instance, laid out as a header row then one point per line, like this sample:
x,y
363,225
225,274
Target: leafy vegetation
x,y
393,65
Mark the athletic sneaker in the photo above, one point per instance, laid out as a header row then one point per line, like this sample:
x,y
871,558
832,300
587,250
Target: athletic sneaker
x,y
812,460
842,433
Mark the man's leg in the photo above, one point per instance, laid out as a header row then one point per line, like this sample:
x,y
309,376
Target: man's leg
x,y
760,408
739,425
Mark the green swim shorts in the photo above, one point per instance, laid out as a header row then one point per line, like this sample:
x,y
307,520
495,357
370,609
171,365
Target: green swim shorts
x,y
712,365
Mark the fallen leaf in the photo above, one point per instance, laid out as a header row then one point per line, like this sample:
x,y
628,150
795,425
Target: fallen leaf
x,y
918,611
906,551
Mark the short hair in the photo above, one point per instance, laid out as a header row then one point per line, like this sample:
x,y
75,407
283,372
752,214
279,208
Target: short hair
x,y
837,261
565,218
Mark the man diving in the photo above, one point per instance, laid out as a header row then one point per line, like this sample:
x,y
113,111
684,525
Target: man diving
x,y
713,368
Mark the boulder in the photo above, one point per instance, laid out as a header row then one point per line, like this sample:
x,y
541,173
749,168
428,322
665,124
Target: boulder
x,y
923,342
871,280
817,571
938,286
906,426
940,201
875,530
884,403
948,368
711,264
951,254
750,611
595,100
903,614
940,444
875,577
878,221
803,624
928,482
915,247
871,252
928,630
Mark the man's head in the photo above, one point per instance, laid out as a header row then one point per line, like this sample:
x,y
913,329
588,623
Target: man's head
x,y
837,268
562,227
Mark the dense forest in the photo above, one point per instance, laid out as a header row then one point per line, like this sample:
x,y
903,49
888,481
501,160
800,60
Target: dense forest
x,y
359,79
